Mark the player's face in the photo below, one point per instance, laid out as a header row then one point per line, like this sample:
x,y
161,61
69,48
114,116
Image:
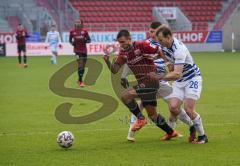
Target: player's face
x,y
125,43
20,27
152,33
164,41
78,26
53,28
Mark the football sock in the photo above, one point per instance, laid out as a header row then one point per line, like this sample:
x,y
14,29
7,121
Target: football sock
x,y
24,59
183,116
53,59
133,107
197,122
19,59
80,73
161,123
132,121
172,123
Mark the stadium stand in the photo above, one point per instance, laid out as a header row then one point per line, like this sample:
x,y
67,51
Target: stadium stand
x,y
27,12
226,14
4,26
13,21
110,15
62,12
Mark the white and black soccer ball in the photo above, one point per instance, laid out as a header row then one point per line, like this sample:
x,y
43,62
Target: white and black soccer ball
x,y
65,139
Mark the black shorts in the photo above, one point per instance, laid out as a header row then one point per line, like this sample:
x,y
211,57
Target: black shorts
x,y
81,55
21,48
147,93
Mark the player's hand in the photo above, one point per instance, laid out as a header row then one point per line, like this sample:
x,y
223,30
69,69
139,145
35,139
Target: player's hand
x,y
124,83
105,50
60,46
109,49
170,67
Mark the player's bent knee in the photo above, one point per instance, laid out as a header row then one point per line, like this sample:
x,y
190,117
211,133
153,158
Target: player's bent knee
x,y
126,97
174,108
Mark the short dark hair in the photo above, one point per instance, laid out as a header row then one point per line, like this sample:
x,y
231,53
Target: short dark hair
x,y
165,30
124,33
155,24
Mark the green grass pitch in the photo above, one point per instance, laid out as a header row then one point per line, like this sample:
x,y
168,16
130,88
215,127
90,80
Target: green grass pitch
x,y
28,127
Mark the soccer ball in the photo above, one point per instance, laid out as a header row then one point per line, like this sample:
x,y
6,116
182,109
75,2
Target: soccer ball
x,y
65,139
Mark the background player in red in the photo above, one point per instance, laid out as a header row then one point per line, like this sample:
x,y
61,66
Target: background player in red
x,y
132,54
79,38
21,35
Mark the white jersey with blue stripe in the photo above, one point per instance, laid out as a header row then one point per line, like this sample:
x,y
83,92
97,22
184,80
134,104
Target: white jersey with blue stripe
x,y
179,54
53,38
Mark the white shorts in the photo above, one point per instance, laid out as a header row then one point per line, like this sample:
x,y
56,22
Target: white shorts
x,y
190,89
164,91
53,47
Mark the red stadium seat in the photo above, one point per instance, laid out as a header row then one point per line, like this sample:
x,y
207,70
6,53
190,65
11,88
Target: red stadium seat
x,y
138,14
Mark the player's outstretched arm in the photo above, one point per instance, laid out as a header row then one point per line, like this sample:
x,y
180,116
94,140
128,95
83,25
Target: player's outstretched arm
x,y
171,76
113,67
124,81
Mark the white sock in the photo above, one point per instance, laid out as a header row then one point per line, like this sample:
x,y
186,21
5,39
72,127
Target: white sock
x,y
183,116
132,121
54,59
198,125
172,123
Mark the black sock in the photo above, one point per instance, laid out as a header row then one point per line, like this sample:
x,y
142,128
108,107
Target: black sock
x,y
134,108
161,123
19,59
80,73
25,59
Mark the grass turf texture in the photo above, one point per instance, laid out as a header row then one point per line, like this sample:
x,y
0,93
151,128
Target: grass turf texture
x,y
28,127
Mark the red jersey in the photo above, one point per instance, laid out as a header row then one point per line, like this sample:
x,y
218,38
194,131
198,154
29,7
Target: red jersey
x,y
139,65
21,36
79,39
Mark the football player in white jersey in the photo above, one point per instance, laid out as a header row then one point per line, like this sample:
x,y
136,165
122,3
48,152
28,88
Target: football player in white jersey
x,y
164,91
186,77
53,40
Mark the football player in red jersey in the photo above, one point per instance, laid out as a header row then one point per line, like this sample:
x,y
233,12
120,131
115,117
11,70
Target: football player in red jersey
x,y
133,54
79,38
21,35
